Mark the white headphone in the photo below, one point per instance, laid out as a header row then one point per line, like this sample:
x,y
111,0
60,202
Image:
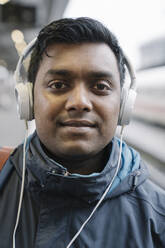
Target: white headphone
x,y
24,95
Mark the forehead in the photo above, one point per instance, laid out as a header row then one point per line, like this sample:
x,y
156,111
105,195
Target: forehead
x,y
80,58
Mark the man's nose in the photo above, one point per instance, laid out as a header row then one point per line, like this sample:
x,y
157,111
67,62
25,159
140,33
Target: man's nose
x,y
78,99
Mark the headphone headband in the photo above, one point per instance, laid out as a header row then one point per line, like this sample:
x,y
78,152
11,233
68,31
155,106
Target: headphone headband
x,y
26,52
131,72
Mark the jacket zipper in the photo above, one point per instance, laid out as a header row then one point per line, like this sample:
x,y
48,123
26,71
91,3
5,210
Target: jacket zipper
x,y
135,180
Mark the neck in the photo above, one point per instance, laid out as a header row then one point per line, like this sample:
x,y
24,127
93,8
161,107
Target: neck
x,y
85,166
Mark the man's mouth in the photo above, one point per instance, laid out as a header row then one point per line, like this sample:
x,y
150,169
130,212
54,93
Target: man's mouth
x,y
78,123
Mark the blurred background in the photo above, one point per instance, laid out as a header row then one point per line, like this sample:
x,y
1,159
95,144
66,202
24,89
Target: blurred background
x,y
139,26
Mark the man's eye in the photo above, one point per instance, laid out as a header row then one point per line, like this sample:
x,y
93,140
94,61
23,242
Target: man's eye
x,y
57,85
102,86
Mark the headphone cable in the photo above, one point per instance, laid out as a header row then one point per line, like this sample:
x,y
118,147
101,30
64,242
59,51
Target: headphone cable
x,y
22,185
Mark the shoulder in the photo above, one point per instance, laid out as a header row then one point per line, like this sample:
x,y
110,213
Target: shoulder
x,y
10,166
13,164
152,196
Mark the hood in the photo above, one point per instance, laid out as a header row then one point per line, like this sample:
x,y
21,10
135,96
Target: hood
x,y
45,174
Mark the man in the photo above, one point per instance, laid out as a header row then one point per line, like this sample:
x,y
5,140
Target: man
x,y
77,69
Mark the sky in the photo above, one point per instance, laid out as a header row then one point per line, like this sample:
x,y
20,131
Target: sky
x,y
134,22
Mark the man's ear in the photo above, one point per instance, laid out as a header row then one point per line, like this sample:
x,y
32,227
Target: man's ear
x,y
128,97
24,90
24,97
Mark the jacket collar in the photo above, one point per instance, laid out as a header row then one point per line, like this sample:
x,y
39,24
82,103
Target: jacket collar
x,y
44,173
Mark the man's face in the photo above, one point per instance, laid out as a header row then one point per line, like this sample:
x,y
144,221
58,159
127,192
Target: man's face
x,y
77,99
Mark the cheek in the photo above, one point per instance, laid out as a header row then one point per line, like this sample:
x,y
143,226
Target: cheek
x,y
46,106
109,113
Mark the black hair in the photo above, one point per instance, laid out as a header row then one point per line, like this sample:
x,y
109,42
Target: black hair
x,y
74,31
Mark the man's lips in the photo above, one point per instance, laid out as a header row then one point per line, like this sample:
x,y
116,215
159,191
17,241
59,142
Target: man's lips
x,y
78,123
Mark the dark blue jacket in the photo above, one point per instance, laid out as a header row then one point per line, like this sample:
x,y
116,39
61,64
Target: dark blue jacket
x,y
57,203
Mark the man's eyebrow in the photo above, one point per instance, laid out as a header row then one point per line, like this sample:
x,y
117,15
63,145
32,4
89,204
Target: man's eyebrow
x,y
91,73
100,74
60,72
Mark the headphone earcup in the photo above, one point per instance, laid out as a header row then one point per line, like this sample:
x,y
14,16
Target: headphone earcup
x,y
24,98
128,98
